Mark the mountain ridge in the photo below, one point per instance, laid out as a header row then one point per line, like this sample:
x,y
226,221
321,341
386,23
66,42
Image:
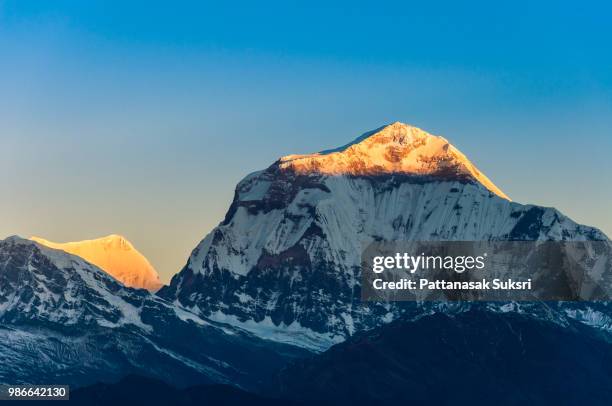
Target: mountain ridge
x,y
285,262
64,320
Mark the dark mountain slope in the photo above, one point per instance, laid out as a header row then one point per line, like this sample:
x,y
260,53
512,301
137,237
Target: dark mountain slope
x,y
475,357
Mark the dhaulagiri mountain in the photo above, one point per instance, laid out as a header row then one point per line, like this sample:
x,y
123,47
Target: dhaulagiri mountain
x,y
115,255
64,321
285,262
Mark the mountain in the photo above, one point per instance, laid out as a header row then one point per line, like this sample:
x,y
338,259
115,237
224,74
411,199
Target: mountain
x,y
65,321
285,262
474,358
115,255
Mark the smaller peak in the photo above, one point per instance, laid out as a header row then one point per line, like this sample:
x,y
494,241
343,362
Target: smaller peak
x,y
116,256
116,240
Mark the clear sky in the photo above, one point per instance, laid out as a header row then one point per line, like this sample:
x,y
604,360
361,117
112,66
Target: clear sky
x,y
140,118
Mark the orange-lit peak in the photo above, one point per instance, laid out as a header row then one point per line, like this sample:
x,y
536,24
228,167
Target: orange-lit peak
x,y
395,148
116,256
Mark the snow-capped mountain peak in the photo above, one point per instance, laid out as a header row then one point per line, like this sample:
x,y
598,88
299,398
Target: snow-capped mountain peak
x,y
115,255
285,263
397,148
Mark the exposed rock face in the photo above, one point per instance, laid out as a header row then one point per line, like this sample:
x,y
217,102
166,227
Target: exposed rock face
x,y
285,261
115,255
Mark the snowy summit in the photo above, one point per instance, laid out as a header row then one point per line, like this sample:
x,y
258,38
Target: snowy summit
x,y
396,148
285,262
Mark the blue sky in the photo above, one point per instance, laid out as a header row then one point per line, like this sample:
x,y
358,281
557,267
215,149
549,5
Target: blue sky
x,y
139,118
